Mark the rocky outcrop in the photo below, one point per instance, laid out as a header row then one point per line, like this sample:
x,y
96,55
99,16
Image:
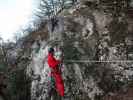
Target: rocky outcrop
x,y
97,54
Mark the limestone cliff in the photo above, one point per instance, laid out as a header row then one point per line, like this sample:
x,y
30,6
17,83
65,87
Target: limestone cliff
x,y
96,44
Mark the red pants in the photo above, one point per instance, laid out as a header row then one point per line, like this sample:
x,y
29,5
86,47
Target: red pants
x,y
58,83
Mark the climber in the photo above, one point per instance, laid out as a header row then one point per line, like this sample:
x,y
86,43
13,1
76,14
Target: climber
x,y
55,72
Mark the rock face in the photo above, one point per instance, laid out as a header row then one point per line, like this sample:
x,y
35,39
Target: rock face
x,y
97,53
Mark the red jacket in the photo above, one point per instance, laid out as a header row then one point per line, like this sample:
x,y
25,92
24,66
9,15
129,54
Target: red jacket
x,y
52,62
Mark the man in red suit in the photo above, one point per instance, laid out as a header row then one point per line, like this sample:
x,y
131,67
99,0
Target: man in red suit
x,y
55,72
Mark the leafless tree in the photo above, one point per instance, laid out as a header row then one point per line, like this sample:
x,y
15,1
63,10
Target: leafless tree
x,y
51,8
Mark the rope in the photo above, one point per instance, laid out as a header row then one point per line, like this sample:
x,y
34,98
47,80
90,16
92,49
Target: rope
x,y
97,61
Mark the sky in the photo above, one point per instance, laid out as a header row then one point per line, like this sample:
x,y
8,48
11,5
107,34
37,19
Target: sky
x,y
14,14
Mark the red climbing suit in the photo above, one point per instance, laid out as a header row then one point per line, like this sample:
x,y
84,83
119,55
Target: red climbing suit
x,y
53,64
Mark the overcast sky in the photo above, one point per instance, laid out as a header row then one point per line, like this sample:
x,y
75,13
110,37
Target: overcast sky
x,y
13,15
